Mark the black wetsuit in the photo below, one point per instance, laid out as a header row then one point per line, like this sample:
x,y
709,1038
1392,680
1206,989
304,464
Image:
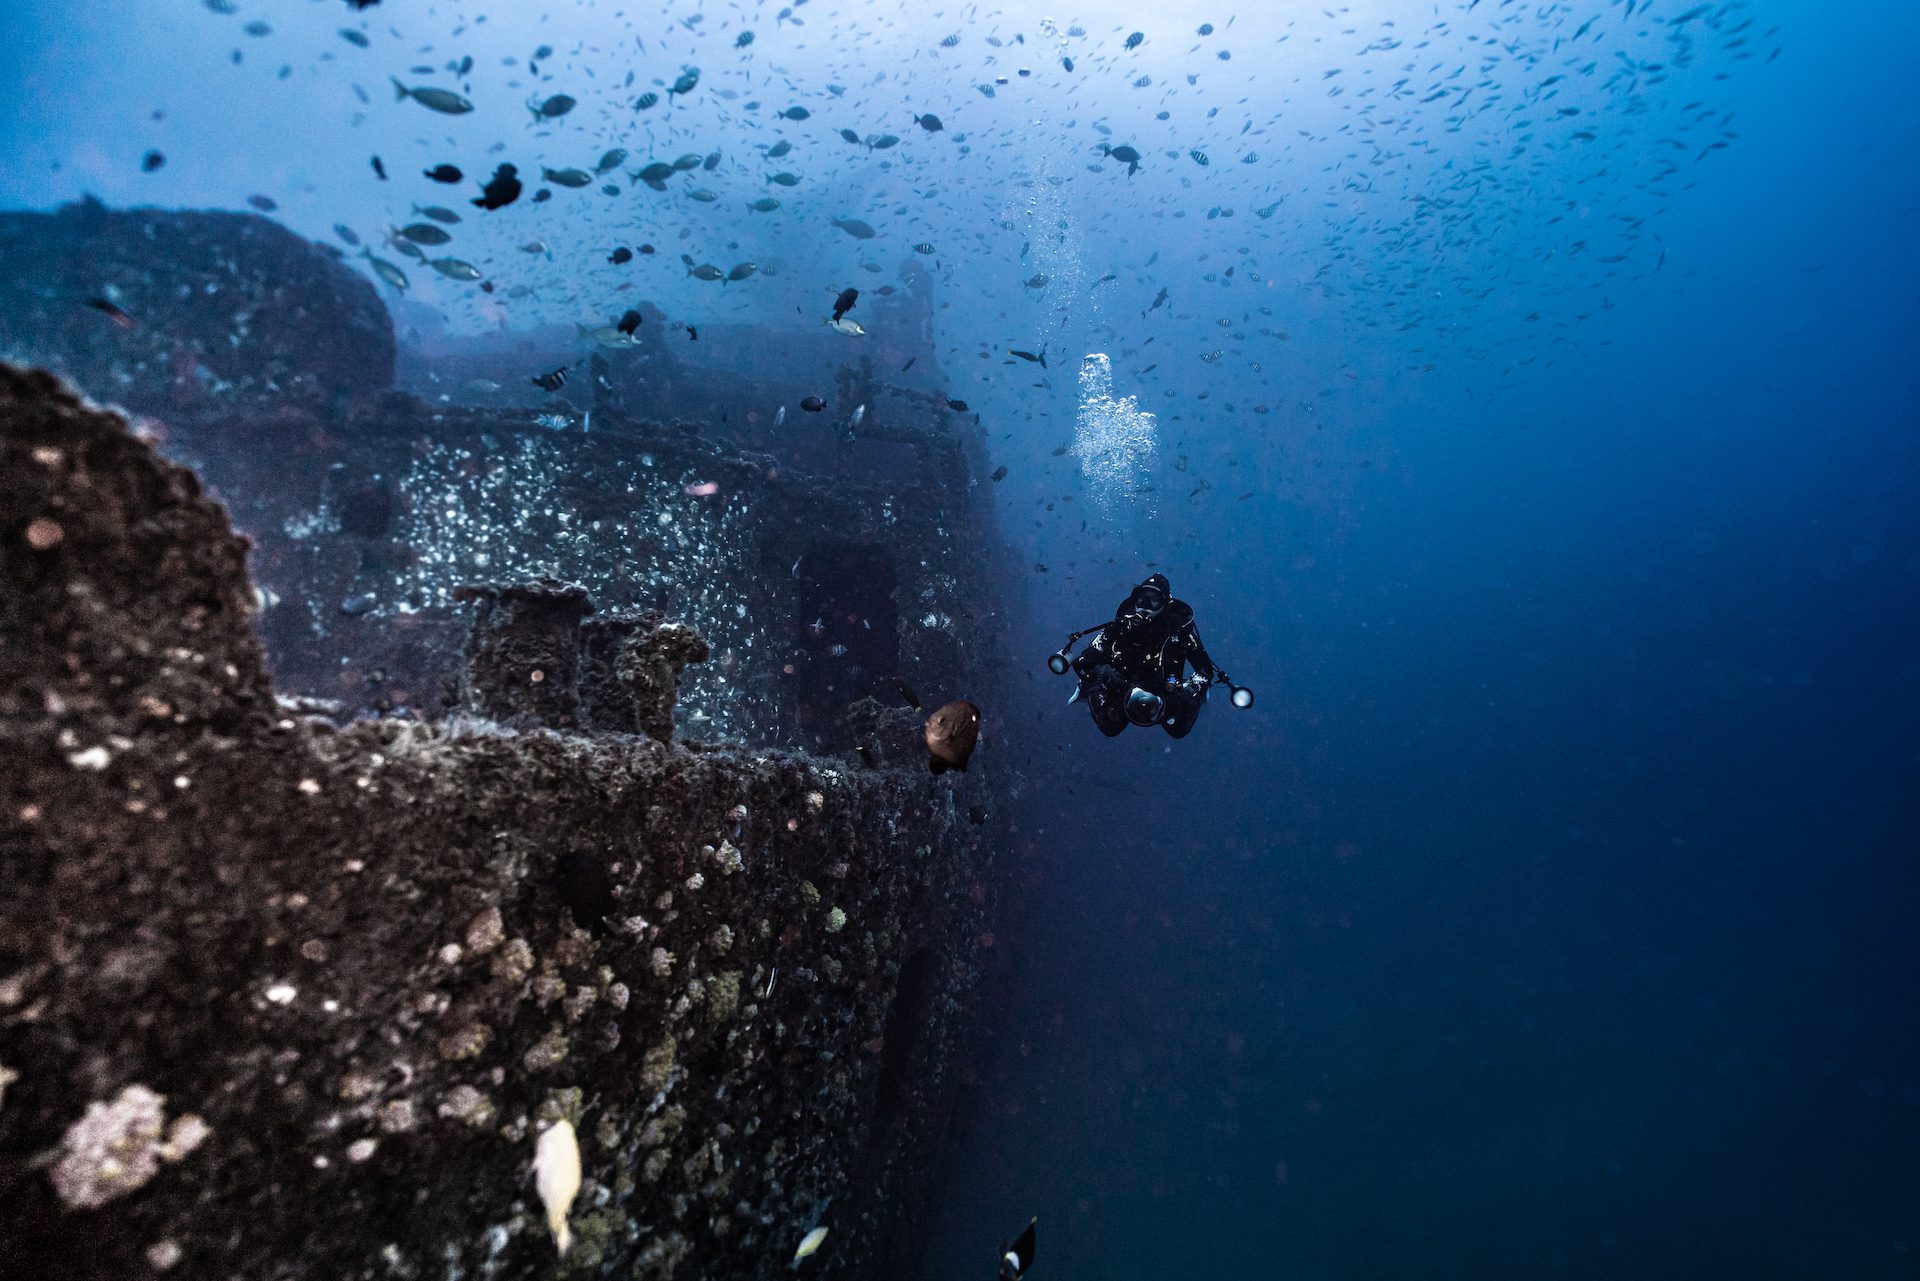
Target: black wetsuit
x,y
1150,652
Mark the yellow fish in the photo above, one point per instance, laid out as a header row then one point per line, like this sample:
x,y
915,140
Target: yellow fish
x,y
809,1243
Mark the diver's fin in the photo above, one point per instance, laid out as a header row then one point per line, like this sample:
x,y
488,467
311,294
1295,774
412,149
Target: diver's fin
x,y
1073,697
1016,1259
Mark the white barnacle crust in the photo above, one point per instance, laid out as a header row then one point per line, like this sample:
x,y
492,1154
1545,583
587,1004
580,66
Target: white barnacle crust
x,y
556,1174
94,758
117,1147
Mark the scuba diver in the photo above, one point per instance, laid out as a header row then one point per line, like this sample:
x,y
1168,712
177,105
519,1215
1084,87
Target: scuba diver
x,y
1132,674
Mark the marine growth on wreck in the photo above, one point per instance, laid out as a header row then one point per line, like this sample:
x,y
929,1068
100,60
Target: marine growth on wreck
x,y
841,639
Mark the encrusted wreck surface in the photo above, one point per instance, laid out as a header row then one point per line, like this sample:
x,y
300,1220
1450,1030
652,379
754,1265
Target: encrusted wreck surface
x,y
283,999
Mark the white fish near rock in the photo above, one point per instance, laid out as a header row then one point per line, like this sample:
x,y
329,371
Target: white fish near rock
x,y
556,1173
809,1243
608,336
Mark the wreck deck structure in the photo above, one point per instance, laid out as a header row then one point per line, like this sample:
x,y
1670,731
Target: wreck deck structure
x,y
581,787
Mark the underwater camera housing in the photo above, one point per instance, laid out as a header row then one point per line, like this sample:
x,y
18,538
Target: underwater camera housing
x,y
1144,708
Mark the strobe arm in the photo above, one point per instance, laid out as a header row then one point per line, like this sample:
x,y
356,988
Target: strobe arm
x,y
1058,662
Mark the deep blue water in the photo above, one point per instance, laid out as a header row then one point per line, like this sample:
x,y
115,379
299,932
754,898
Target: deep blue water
x,y
1552,914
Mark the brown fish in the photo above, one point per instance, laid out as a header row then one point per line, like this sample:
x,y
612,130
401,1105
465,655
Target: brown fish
x,y
951,734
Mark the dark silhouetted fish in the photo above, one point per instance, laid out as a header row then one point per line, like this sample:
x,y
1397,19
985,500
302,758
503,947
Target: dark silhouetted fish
x,y
585,885
502,190
111,312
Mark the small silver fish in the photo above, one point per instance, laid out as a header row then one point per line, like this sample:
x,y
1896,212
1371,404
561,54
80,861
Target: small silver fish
x,y
455,269
386,270
425,233
444,101
851,328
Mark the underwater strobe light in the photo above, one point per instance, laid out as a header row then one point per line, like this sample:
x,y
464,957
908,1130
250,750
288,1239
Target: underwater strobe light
x,y
1241,695
1057,663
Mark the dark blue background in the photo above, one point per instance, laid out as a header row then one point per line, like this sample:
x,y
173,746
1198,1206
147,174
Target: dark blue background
x,y
1554,913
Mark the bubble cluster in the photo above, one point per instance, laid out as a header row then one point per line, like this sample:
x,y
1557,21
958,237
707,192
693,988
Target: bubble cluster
x,y
1114,439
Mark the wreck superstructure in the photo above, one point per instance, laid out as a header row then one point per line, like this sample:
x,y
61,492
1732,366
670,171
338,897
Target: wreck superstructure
x,y
581,787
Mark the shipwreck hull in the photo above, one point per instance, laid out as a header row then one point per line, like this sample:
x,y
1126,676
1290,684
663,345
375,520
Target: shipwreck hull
x,y
282,997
